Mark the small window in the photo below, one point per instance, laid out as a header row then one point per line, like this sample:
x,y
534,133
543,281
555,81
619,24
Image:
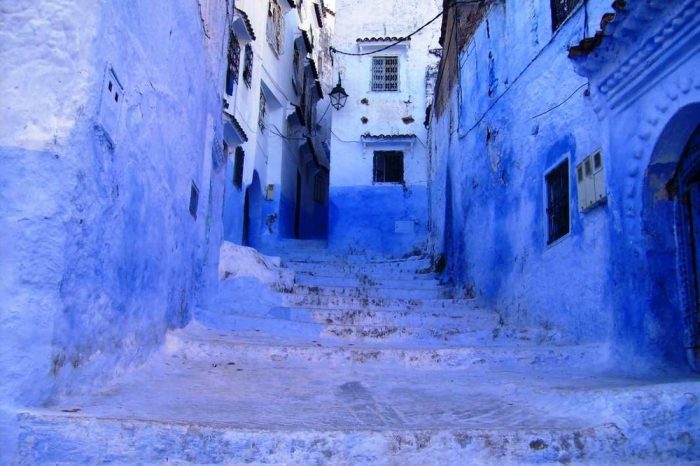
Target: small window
x,y
557,182
262,114
275,27
238,168
248,65
385,74
591,182
561,9
388,167
194,200
234,64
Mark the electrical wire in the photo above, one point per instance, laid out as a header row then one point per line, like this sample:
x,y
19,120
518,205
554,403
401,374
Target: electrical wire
x,y
561,103
408,37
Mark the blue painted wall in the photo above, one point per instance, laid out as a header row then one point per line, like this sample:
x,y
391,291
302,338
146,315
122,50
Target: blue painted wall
x,y
521,107
363,219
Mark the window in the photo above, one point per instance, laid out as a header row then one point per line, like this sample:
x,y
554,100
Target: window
x,y
238,168
590,178
275,26
248,66
385,74
234,63
557,182
262,114
320,186
194,200
561,9
388,167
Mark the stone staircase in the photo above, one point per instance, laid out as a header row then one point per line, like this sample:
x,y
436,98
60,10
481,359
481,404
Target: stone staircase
x,y
369,362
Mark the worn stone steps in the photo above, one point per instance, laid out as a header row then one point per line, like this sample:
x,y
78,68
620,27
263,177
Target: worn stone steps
x,y
254,348
358,265
475,331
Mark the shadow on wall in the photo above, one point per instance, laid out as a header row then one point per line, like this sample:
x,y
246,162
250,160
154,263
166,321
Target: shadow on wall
x,y
252,212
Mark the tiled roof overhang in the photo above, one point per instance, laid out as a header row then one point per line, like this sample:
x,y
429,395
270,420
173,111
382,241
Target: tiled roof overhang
x,y
242,16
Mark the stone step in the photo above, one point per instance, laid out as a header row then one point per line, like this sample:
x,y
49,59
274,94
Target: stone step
x,y
361,265
315,301
367,281
462,317
64,439
326,272
373,292
257,348
464,332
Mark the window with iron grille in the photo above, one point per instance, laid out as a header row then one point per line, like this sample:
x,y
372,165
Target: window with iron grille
x,y
388,166
248,65
561,9
238,168
385,74
262,114
234,63
275,26
557,181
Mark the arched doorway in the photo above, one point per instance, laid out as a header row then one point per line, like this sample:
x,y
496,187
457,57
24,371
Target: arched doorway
x,y
685,187
671,240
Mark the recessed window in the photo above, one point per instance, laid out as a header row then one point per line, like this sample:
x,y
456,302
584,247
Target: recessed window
x,y
262,114
557,182
194,200
238,168
561,9
388,166
234,63
248,65
275,26
385,74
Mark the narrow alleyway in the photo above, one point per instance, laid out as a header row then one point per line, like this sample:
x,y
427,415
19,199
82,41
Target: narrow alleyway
x,y
361,359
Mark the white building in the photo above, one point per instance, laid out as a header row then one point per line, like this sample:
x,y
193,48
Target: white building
x,y
378,193
274,98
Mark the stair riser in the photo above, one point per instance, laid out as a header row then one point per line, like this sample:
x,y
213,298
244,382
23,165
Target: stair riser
x,y
63,440
476,358
474,334
310,280
372,292
374,304
463,319
415,267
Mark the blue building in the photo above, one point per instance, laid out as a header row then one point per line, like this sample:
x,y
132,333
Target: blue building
x,y
564,142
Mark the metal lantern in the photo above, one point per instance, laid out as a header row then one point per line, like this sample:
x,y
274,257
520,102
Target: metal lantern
x,y
338,95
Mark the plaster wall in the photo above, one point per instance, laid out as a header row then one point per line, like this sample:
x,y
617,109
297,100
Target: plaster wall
x,y
363,216
100,255
517,110
520,108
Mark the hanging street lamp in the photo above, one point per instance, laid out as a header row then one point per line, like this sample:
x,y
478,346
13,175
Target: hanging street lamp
x,y
338,95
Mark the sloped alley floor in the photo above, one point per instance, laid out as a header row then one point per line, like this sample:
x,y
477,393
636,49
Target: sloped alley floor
x,y
457,395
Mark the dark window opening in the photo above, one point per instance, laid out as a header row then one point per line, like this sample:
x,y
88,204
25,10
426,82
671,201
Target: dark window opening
x,y
238,168
194,200
248,66
561,9
557,182
388,167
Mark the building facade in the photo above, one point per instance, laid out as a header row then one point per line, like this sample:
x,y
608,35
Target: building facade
x,y
579,212
277,82
378,192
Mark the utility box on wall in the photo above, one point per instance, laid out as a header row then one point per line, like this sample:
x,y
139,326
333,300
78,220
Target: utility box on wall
x,y
111,101
590,179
